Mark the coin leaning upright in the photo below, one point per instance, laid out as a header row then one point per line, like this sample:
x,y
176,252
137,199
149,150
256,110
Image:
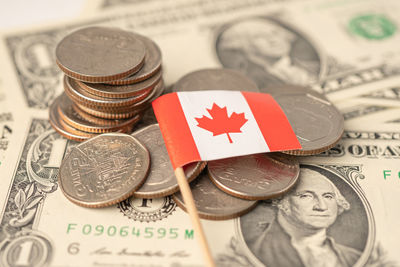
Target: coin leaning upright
x,y
100,54
104,170
255,177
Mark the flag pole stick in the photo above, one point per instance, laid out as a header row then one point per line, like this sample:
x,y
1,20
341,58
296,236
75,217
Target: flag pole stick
x,y
194,216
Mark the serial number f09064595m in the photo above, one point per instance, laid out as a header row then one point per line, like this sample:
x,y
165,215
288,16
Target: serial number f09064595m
x,y
130,231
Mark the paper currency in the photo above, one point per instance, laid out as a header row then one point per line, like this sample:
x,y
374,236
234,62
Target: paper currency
x,y
342,60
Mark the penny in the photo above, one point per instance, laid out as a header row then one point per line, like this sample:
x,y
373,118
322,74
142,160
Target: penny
x,y
74,119
212,203
317,123
255,177
104,170
161,179
125,112
215,79
72,87
120,91
100,54
152,63
65,130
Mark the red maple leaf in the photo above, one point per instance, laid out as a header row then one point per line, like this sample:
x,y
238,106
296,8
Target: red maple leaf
x,y
220,122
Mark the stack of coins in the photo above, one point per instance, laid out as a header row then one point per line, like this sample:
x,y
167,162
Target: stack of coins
x,y
111,77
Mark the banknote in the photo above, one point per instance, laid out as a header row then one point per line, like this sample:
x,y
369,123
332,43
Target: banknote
x,y
40,227
338,57
6,124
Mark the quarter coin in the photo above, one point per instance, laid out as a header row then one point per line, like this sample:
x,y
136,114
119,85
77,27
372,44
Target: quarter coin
x,y
104,170
212,203
152,63
215,79
255,177
100,54
317,123
161,179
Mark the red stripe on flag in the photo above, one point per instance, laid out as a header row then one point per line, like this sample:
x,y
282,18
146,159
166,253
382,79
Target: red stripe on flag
x,y
175,130
272,121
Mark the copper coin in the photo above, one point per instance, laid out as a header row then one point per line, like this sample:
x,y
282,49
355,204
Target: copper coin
x,y
65,130
73,89
152,63
161,179
215,79
255,177
100,54
74,119
212,203
317,123
126,112
104,170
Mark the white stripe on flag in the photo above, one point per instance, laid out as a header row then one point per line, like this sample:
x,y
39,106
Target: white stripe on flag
x,y
249,141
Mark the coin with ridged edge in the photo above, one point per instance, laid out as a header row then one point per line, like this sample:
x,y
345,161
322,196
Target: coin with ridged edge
x,y
215,79
212,203
124,112
100,54
104,170
82,96
317,123
161,179
152,63
255,177
74,119
121,91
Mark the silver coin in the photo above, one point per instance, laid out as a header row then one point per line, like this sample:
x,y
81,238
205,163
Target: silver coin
x,y
255,177
100,54
104,170
317,123
161,179
215,79
290,89
212,203
121,91
152,63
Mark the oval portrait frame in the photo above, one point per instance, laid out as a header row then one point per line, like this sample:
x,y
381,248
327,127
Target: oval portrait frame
x,y
323,59
349,177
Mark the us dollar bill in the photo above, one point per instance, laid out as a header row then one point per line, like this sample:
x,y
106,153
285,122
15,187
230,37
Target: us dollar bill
x,y
6,125
336,55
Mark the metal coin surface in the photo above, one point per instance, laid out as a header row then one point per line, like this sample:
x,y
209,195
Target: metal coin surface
x,y
152,63
124,112
255,177
73,118
215,79
120,91
161,179
290,89
63,128
212,203
100,54
72,87
317,123
104,170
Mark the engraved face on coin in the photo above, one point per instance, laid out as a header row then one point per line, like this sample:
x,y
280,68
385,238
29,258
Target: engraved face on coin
x,y
215,79
317,123
255,177
100,54
161,179
212,203
104,170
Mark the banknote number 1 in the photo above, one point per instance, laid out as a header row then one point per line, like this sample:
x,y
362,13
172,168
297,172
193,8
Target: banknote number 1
x,y
24,254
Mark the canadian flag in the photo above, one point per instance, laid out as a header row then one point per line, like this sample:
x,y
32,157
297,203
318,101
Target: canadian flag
x,y
209,125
